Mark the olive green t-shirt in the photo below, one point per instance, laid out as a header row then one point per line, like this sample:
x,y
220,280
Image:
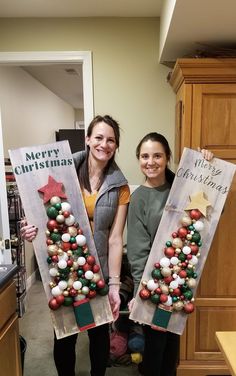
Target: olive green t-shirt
x,y
144,215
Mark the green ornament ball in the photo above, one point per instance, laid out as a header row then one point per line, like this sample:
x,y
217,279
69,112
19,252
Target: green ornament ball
x,y
68,301
103,291
188,294
80,272
55,237
84,281
57,206
182,256
156,274
168,243
79,252
49,260
52,212
189,272
155,298
196,237
93,286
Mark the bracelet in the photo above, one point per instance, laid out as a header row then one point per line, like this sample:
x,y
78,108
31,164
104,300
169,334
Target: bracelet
x,y
114,276
114,283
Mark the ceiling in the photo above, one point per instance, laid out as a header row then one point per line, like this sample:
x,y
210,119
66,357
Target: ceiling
x,y
188,28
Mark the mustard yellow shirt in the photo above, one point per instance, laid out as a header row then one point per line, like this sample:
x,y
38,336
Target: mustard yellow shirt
x,y
90,200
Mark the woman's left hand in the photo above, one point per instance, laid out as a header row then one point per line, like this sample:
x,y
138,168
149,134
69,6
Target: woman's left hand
x,y
207,154
114,298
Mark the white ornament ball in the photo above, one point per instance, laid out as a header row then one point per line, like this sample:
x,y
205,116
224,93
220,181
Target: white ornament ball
x,y
174,260
198,225
169,301
56,291
177,243
81,260
64,256
65,206
80,240
70,220
53,272
186,250
194,260
65,237
164,261
85,290
62,285
174,284
152,285
88,274
62,264
180,281
77,285
60,218
55,200
79,297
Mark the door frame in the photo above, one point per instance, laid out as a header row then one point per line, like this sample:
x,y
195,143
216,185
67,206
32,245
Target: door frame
x,y
46,57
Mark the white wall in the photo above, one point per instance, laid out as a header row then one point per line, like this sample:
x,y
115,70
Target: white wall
x,y
30,112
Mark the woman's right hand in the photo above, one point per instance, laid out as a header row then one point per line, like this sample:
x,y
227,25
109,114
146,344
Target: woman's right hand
x,y
131,304
28,232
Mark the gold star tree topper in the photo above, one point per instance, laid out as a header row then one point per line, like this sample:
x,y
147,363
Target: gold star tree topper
x,y
198,201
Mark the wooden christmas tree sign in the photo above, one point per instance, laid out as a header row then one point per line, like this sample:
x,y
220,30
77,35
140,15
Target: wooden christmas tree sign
x,y
165,296
64,246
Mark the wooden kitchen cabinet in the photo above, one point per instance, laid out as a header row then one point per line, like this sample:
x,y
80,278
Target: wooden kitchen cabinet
x,y
206,117
10,362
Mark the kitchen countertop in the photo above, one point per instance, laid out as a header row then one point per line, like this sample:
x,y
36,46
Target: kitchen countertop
x,y
7,272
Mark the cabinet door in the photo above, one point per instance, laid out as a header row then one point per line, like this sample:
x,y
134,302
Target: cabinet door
x,y
214,127
9,349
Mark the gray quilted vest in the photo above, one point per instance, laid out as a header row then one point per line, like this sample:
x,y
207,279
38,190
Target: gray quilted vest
x,y
105,208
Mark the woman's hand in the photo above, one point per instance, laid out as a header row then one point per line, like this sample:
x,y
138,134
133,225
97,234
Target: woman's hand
x,y
131,304
28,232
114,298
207,154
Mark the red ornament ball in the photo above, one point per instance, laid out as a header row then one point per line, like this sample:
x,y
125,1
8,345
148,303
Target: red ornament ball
x,y
74,246
96,268
144,294
53,304
90,260
69,263
101,284
182,274
66,214
52,224
66,246
86,267
194,249
91,294
163,298
182,232
60,299
169,252
188,308
195,214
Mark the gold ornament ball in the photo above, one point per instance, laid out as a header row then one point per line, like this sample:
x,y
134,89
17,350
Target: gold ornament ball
x,y
177,243
178,306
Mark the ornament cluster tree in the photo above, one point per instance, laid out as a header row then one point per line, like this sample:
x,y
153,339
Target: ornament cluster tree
x,y
174,275
75,275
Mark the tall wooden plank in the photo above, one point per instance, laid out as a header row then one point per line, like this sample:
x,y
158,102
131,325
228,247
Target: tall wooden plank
x,y
194,175
32,167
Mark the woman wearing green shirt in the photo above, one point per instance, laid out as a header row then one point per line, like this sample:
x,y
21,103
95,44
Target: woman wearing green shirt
x,y
161,350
